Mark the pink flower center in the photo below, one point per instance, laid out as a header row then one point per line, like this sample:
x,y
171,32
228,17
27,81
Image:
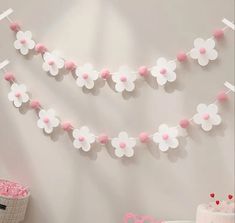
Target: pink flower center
x,y
163,71
23,41
165,136
85,76
17,94
51,62
81,138
206,116
122,145
46,120
123,78
202,50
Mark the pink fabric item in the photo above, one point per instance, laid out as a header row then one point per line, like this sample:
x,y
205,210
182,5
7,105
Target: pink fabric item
x,y
40,48
206,116
143,137
70,65
163,71
15,26
103,138
81,138
218,33
105,74
184,123
143,71
9,76
165,136
35,104
17,94
12,190
202,50
181,56
122,145
66,126
133,218
85,76
123,78
222,96
46,120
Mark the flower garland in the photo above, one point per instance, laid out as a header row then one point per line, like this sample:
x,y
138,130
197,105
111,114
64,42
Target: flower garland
x,y
165,137
124,79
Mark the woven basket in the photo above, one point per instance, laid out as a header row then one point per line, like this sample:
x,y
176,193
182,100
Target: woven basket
x,y
12,210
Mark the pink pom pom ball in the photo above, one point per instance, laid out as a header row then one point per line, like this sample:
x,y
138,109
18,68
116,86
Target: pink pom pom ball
x,y
218,33
66,126
143,137
184,123
103,138
40,48
143,71
222,96
181,56
9,76
35,104
70,65
105,74
15,26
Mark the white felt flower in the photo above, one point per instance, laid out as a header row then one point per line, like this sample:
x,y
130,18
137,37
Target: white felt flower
x,y
166,137
52,63
124,79
123,145
86,76
207,116
24,42
164,71
47,120
83,138
204,51
18,94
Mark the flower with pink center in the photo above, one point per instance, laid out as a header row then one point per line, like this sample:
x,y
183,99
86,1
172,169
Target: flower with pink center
x,y
52,63
86,76
207,116
166,137
124,79
124,145
18,94
47,120
204,51
164,71
24,42
83,138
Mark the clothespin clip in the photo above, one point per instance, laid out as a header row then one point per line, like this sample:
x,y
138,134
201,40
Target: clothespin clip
x,y
229,86
6,14
229,24
4,64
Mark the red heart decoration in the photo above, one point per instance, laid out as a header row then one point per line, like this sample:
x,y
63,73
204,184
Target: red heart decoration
x,y
217,202
212,195
230,196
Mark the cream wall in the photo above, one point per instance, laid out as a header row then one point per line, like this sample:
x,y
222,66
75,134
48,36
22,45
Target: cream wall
x,y
70,186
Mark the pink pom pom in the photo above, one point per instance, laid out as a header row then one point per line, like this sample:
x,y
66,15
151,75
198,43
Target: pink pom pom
x,y
218,33
15,26
143,137
103,138
40,48
35,104
184,123
222,96
181,56
105,74
9,76
143,71
70,65
66,126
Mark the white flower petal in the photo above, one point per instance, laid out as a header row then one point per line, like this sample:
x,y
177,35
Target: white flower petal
x,y
28,35
129,86
40,124
11,96
30,44
85,130
87,68
197,118
173,132
206,125
215,119
60,63
86,146
89,83
115,142
162,62
194,53
163,128
24,50
171,76
55,122
17,102
119,87
77,144
201,108
131,142
173,143
212,54
203,60
212,108
163,146
42,113
199,42
171,65
123,136
90,138
94,75
157,137
155,71
76,133
53,70
210,44
80,81
20,34
161,80
129,152
25,98
17,44
119,152
48,129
